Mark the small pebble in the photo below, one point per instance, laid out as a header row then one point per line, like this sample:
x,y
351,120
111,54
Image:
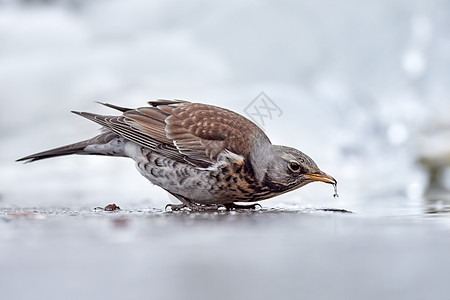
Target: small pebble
x,y
111,207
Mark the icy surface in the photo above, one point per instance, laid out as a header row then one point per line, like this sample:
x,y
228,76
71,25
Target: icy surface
x,y
363,88
268,254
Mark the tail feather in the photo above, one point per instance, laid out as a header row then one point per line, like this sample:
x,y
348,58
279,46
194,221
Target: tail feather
x,y
76,148
99,142
119,108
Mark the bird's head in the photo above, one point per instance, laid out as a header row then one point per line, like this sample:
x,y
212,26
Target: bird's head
x,y
289,169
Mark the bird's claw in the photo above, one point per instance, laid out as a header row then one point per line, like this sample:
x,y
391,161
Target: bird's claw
x,y
232,206
175,207
194,207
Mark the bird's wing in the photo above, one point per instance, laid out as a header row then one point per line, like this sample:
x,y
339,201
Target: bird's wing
x,y
185,131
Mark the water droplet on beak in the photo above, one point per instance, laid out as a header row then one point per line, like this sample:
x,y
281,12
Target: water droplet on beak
x,y
335,190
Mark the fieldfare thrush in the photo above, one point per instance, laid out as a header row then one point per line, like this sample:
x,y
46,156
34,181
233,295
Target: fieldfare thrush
x,y
206,156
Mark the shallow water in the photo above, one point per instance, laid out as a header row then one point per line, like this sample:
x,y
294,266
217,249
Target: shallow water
x,y
264,254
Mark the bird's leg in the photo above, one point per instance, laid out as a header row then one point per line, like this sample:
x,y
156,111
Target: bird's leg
x,y
231,206
186,203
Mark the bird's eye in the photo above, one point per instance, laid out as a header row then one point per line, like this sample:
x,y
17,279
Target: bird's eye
x,y
294,166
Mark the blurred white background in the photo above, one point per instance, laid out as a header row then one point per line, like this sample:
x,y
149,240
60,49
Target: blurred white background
x,y
363,86
364,90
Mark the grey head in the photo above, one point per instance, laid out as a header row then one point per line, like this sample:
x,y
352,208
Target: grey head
x,y
287,169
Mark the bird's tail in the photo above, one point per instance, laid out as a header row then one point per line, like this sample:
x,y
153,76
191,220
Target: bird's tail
x,y
76,148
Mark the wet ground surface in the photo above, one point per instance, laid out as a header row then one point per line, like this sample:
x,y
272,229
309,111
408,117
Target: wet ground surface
x,y
265,254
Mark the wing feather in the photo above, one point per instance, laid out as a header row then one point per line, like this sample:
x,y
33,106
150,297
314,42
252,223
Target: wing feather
x,y
187,132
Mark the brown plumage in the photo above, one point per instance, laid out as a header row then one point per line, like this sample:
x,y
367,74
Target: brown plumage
x,y
203,154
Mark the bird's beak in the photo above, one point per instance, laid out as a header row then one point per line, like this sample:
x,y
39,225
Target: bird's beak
x,y
324,177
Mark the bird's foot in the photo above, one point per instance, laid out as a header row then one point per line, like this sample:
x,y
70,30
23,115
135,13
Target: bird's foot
x,y
231,206
175,207
188,204
193,207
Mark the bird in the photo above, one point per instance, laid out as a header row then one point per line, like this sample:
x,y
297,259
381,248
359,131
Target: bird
x,y
208,157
